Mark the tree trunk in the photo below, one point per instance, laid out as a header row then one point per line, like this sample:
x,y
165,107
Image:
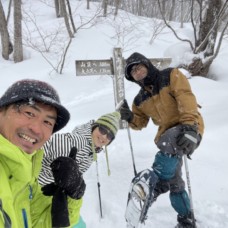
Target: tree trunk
x,y
197,67
140,7
66,18
9,10
18,49
105,7
70,15
210,16
172,10
117,2
7,47
57,8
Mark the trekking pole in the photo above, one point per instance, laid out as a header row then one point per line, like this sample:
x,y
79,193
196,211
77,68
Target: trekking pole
x,y
132,152
99,192
129,137
189,190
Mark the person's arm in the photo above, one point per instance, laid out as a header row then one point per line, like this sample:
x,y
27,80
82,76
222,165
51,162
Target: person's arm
x,y
136,118
186,101
59,145
188,138
140,120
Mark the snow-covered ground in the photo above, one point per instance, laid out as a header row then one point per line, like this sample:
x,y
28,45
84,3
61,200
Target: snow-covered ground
x,y
90,97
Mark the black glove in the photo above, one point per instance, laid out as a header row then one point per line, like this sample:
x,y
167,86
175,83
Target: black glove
x,y
67,176
59,209
66,183
125,112
187,139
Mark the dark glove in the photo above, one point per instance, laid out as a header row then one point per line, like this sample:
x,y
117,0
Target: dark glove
x,y
187,139
67,176
125,112
59,190
59,209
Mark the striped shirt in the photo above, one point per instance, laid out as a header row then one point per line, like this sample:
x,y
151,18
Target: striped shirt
x,y
61,144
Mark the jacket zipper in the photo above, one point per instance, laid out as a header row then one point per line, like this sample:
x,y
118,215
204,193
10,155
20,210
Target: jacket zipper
x,y
25,218
7,220
24,214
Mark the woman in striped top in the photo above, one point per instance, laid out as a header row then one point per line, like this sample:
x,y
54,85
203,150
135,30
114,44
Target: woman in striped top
x,y
89,139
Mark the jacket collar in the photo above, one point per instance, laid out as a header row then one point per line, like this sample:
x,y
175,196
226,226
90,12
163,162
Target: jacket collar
x,y
18,163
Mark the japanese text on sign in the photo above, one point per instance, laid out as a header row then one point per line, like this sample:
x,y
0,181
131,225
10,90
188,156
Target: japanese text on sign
x,y
93,67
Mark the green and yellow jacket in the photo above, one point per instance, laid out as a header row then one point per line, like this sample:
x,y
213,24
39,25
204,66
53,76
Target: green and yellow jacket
x,y
22,204
165,97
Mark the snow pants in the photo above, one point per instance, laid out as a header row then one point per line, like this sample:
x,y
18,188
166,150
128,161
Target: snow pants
x,y
167,166
80,224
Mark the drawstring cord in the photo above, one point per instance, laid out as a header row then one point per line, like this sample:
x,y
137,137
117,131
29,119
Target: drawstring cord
x,y
106,156
107,162
94,152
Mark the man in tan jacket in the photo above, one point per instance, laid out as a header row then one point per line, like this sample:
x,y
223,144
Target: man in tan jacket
x,y
166,98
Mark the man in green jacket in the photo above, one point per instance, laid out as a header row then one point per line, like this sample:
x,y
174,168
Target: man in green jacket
x,y
30,112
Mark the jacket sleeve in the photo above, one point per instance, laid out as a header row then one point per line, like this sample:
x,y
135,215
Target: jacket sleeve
x,y
140,120
186,101
57,146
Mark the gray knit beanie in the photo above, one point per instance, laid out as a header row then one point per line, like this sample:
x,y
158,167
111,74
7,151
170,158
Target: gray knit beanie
x,y
110,121
40,91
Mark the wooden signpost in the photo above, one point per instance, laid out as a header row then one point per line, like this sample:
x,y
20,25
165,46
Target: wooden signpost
x,y
114,67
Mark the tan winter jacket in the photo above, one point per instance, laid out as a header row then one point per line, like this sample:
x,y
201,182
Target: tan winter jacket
x,y
168,102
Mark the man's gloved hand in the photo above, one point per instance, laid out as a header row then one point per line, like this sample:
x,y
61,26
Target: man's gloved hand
x,y
187,139
67,176
125,112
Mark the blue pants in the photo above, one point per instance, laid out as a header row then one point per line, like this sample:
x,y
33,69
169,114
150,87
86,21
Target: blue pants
x,y
167,166
80,224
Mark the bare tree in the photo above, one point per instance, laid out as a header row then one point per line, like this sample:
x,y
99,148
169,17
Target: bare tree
x,y
9,10
140,7
205,34
105,7
66,18
7,47
57,8
172,10
156,26
18,49
71,16
117,4
51,44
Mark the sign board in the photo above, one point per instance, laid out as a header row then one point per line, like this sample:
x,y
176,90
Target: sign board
x,y
94,67
105,67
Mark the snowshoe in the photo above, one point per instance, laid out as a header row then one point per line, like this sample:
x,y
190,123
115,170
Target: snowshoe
x,y
140,197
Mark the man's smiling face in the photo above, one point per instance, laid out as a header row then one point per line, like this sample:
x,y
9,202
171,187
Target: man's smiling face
x,y
27,126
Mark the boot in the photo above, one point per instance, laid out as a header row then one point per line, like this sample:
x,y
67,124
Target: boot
x,y
186,221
